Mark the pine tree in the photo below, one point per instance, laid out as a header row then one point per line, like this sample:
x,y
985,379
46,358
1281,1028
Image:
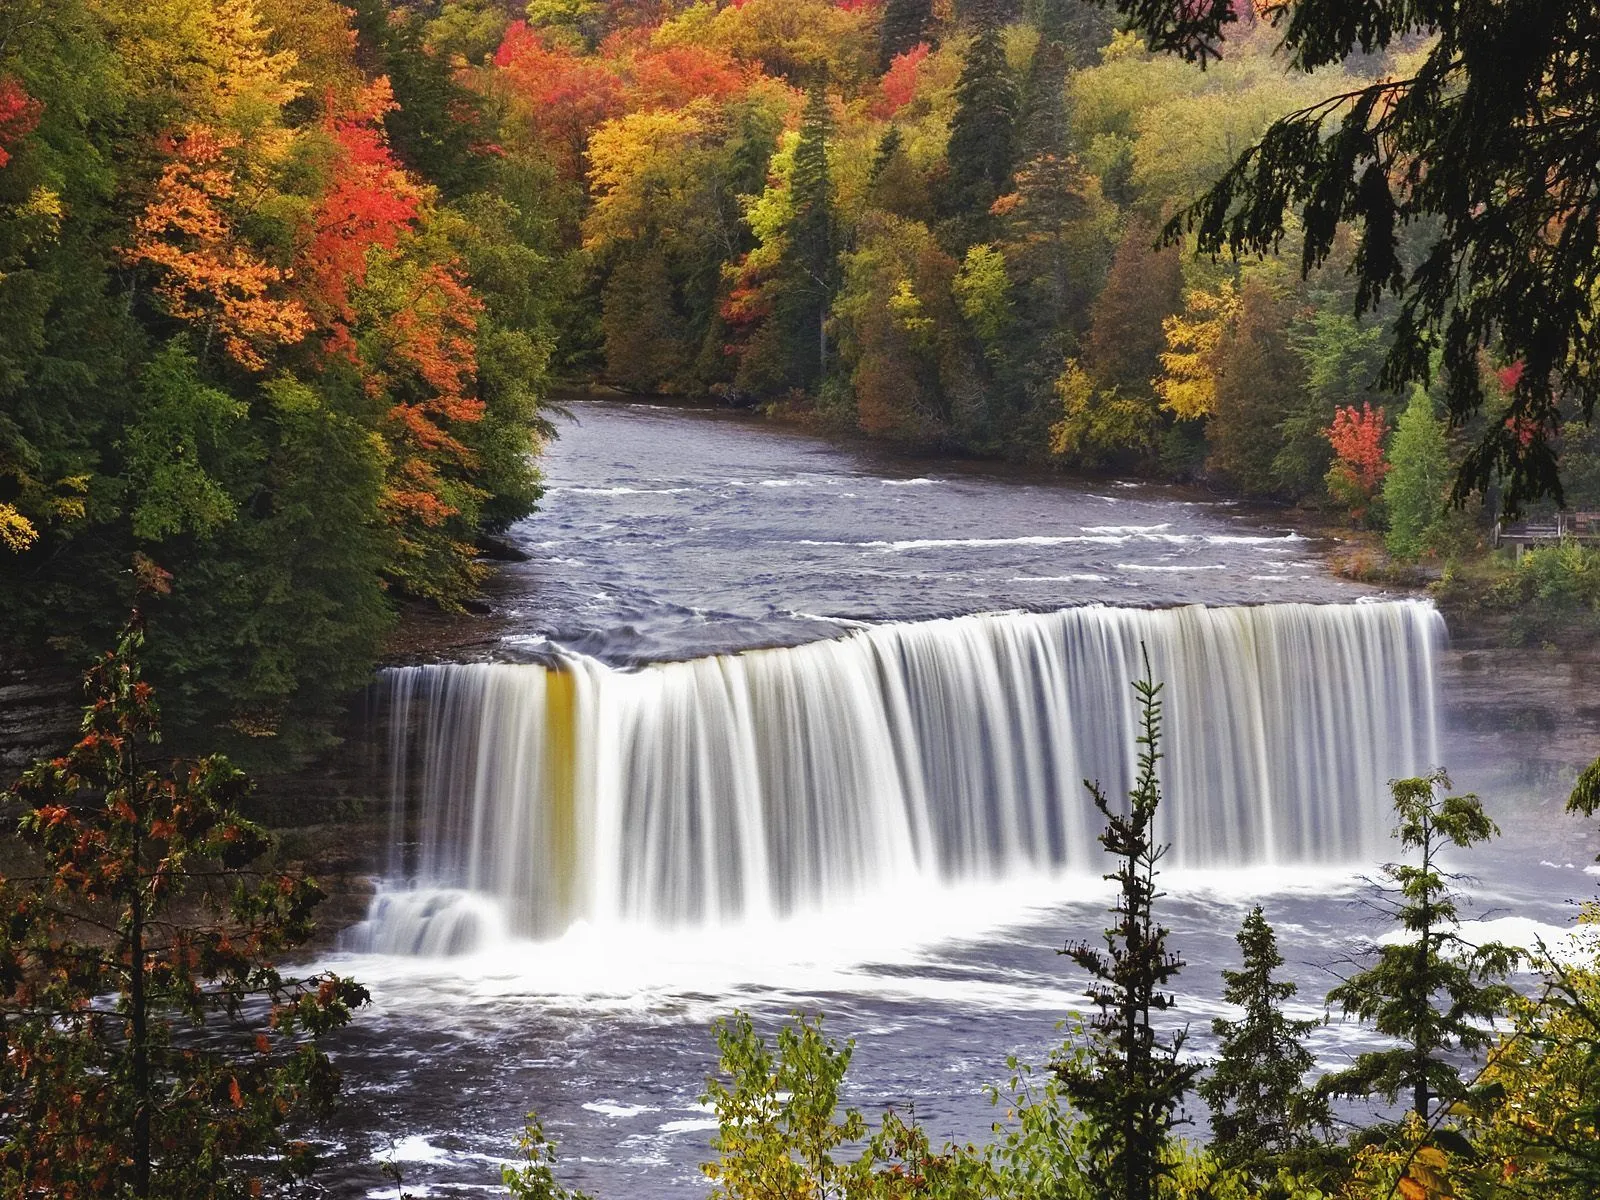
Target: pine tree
x,y
982,133
904,23
1126,334
1261,1109
1434,993
811,250
1419,476
1128,1083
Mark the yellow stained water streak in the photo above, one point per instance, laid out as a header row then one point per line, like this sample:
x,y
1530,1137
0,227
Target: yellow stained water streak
x,y
560,783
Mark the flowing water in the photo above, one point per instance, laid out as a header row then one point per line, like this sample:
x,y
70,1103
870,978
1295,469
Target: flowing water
x,y
779,725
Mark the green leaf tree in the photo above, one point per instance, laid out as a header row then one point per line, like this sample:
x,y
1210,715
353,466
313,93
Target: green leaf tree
x,y
1129,1084
536,1179
1418,481
778,1124
1261,1109
150,912
1432,991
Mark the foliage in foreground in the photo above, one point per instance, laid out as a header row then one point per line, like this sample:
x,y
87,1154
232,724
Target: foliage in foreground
x,y
1127,1081
1262,1112
1431,990
150,1048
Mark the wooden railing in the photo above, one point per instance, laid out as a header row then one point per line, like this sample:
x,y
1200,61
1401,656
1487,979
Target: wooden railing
x,y
1567,526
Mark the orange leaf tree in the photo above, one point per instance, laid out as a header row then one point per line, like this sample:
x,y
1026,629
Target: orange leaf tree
x,y
421,355
147,913
205,271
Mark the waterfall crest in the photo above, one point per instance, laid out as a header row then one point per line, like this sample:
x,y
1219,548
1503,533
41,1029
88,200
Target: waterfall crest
x,y
755,785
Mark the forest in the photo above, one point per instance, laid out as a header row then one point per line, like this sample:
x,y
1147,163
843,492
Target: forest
x,y
287,282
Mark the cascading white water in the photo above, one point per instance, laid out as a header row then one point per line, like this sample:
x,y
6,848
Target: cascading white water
x,y
755,785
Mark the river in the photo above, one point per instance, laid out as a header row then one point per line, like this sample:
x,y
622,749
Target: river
x,y
615,827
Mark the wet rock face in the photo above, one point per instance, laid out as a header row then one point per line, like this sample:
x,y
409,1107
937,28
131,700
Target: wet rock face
x,y
38,716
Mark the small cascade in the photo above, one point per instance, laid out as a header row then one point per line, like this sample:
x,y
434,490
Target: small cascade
x,y
752,786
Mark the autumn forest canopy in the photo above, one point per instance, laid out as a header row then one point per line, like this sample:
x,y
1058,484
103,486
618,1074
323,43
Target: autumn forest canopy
x,y
284,284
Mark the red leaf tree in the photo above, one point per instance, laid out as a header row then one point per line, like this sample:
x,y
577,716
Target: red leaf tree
x,y
1359,465
368,203
19,116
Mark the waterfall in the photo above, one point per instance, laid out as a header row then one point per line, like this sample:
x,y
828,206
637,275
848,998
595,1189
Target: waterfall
x,y
756,785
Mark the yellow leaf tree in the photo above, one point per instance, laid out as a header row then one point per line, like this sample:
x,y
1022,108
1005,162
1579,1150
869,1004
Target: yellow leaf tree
x,y
1187,384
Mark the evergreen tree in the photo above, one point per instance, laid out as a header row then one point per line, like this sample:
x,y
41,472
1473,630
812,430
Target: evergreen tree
x,y
811,256
1129,1084
1078,27
1259,381
904,24
1143,288
1261,1109
438,124
1419,476
1435,992
982,133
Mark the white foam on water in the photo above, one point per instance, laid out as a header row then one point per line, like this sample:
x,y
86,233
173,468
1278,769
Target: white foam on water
x,y
1172,568
1575,943
414,1148
689,1125
1083,578
612,1108
619,490
978,543
891,946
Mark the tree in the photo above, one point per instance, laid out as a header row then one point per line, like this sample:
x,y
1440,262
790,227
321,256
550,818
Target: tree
x,y
1356,477
1415,489
1143,291
1258,382
535,1179
149,888
1130,1085
439,126
205,271
812,258
904,22
1483,154
1261,1109
1534,1117
1188,382
1342,359
897,314
778,1125
1100,425
1433,991
982,131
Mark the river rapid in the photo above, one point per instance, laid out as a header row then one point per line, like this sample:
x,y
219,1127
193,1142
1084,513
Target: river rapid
x,y
582,985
